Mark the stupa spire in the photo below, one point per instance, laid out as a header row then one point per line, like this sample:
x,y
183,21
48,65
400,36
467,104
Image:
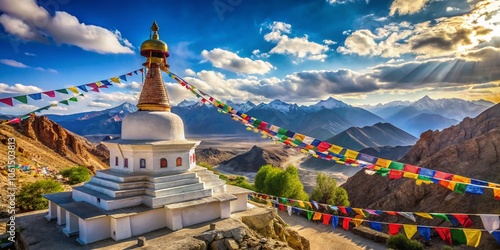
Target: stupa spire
x,y
154,95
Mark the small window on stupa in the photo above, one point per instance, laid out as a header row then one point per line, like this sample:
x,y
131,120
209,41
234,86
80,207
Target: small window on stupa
x,y
163,163
125,163
178,162
142,163
116,161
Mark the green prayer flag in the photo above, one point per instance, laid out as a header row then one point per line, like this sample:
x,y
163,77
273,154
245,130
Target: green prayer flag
x,y
458,237
460,188
383,171
64,91
73,99
282,131
441,216
424,178
257,122
22,98
297,142
397,165
64,102
309,215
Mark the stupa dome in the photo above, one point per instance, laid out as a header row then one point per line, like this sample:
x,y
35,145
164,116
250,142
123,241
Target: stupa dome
x,y
153,126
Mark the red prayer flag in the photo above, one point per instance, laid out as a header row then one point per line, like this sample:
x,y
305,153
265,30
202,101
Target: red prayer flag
x,y
391,212
442,175
324,146
345,223
411,169
496,193
326,218
50,93
394,228
282,207
7,101
129,74
395,174
15,120
463,219
445,234
103,86
141,70
95,90
342,209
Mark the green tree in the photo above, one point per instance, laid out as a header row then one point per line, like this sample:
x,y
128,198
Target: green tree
x,y
282,183
326,191
400,242
30,195
77,174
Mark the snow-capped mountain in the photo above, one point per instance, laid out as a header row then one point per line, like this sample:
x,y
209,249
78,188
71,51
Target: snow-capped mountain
x,y
330,103
243,107
279,106
186,103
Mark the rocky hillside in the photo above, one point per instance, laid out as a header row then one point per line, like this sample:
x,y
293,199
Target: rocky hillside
x,y
213,156
387,152
255,158
380,134
471,148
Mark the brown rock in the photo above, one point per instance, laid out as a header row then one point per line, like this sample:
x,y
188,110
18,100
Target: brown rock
x,y
217,245
231,244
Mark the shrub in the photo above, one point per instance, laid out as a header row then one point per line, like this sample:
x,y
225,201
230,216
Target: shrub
x,y
326,191
77,174
30,195
400,242
278,182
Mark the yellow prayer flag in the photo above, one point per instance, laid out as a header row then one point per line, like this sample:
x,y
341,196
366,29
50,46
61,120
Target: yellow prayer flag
x,y
357,221
115,79
317,216
425,215
335,149
269,203
299,137
74,90
451,185
459,178
309,204
359,211
490,184
419,182
410,230
99,84
351,154
410,175
473,237
301,204
383,163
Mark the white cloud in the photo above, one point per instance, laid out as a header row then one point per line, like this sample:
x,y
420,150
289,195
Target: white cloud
x,y
189,72
407,7
451,9
329,42
340,1
132,85
46,70
19,89
118,97
233,62
27,106
29,54
99,104
13,63
299,47
28,21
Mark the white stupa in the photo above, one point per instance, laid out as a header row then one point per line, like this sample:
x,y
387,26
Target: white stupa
x,y
153,181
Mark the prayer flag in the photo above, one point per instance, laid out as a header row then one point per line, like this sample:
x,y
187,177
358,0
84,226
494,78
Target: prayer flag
x,y
478,182
73,99
376,226
301,204
367,158
452,220
427,172
472,189
445,234
282,207
460,188
425,232
324,146
410,230
335,221
309,214
458,237
83,88
395,174
289,210
411,169
396,165
115,79
7,101
326,218
410,175
463,219
123,77
74,90
36,96
384,163
50,93
64,102
443,175
424,215
299,137
317,216
473,237
106,82
345,223
22,98
496,193
491,222
342,209
359,211
64,91
394,229
357,221
496,235
459,178
408,215
440,216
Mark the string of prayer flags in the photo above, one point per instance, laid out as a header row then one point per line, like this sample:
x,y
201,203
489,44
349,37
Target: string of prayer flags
x,y
324,150
73,89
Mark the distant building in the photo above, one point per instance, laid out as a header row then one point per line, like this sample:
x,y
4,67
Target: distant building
x,y
153,181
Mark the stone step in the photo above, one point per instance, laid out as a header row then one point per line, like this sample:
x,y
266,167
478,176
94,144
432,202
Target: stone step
x,y
175,190
118,185
104,201
173,177
156,202
170,184
209,177
115,193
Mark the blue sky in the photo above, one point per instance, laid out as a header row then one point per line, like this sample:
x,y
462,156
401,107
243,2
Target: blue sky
x,y
357,51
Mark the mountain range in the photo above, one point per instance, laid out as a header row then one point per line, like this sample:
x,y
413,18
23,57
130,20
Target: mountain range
x,y
427,113
322,120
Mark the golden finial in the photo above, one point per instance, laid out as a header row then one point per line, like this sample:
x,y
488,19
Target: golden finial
x,y
155,29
